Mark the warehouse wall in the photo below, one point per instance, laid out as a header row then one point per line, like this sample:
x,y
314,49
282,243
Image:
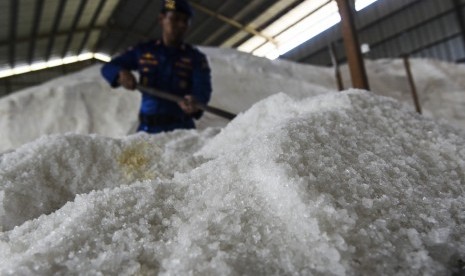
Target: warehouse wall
x,y
18,82
392,28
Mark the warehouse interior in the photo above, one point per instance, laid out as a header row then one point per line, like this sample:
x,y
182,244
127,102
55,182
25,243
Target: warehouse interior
x,y
317,137
62,33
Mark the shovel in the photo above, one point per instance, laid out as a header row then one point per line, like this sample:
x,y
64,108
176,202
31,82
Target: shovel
x,y
174,98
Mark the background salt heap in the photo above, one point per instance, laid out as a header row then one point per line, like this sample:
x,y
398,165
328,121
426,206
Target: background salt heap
x,y
341,183
83,103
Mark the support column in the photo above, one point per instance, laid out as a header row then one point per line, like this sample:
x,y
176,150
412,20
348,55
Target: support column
x,y
352,46
337,71
411,82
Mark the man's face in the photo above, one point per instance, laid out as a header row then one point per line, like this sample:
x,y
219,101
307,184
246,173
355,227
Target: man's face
x,y
175,25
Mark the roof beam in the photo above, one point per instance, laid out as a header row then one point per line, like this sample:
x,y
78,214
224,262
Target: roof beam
x,y
77,17
264,17
35,28
307,57
312,12
56,23
91,25
242,13
151,29
131,26
206,22
24,39
13,23
104,31
232,22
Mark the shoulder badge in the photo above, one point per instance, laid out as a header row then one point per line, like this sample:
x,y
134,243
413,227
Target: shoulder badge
x,y
148,56
170,4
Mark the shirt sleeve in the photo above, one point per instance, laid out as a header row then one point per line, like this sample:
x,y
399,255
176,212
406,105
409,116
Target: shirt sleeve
x,y
125,61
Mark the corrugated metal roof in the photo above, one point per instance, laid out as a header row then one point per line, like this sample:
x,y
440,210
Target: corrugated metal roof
x,y
41,30
34,31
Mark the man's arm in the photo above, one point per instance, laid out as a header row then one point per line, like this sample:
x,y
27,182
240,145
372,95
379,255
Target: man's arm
x,y
126,79
118,71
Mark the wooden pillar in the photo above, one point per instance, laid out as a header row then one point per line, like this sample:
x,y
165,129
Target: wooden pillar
x,y
411,82
335,62
352,46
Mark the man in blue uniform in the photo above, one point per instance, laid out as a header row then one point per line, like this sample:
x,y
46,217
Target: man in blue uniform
x,y
167,64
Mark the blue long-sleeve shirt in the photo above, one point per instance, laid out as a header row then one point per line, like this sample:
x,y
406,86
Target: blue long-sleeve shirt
x,y
181,71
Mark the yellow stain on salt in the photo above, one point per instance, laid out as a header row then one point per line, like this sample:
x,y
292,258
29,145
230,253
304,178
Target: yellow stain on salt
x,y
134,162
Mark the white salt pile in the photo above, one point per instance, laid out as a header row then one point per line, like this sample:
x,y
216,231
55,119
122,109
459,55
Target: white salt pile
x,y
440,85
42,176
80,103
84,103
341,184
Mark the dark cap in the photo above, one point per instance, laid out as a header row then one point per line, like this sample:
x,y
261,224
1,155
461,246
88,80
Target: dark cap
x,y
177,5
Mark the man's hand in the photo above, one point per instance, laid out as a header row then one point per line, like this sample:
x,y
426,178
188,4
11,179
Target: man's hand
x,y
127,79
189,105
